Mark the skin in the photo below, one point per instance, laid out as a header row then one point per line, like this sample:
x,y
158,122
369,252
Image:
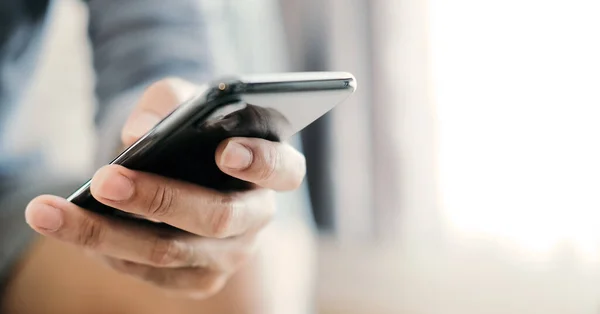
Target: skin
x,y
220,264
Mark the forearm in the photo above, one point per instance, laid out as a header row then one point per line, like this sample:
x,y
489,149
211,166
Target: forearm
x,y
58,278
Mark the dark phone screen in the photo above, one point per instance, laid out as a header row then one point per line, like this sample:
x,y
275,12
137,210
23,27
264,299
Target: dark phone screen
x,y
189,153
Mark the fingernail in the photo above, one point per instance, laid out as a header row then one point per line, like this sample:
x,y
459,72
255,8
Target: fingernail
x,y
115,187
141,124
236,156
45,217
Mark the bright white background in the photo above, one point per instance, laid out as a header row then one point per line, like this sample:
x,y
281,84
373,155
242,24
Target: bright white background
x,y
516,84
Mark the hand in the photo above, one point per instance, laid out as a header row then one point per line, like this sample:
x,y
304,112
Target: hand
x,y
219,229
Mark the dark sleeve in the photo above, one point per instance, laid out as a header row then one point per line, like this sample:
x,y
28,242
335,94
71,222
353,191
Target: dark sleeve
x,y
137,42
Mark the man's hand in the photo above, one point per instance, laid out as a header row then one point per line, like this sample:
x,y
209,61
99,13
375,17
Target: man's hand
x,y
220,229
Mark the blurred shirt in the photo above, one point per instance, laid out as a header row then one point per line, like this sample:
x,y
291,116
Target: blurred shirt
x,y
134,43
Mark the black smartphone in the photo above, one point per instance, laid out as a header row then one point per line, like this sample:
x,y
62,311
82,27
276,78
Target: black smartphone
x,y
183,145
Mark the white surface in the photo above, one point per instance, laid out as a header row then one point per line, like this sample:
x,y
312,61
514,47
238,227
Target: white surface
x,y
518,109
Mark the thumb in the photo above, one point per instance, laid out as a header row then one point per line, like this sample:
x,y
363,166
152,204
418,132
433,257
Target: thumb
x,y
160,99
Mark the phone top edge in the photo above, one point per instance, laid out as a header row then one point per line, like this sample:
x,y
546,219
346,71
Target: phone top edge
x,y
282,82
296,76
295,82
231,87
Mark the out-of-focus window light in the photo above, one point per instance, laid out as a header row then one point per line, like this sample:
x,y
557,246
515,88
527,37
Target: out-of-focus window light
x,y
517,87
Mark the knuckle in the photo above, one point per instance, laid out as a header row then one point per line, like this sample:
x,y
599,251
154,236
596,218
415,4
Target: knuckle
x,y
238,258
224,216
303,164
270,206
161,203
159,277
272,159
166,252
213,286
268,209
90,233
264,221
299,173
198,284
208,285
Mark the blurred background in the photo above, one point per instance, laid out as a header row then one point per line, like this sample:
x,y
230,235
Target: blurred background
x,y
462,177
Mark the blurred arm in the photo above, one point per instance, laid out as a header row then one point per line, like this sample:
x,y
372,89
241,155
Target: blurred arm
x,y
135,43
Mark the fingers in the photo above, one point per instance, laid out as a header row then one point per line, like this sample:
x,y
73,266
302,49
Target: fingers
x,y
63,220
199,283
57,218
272,165
160,99
186,206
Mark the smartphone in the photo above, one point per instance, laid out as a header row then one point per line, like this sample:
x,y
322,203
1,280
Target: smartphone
x,y
182,146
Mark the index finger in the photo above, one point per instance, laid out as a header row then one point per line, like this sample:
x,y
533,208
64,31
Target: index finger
x,y
159,99
183,205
